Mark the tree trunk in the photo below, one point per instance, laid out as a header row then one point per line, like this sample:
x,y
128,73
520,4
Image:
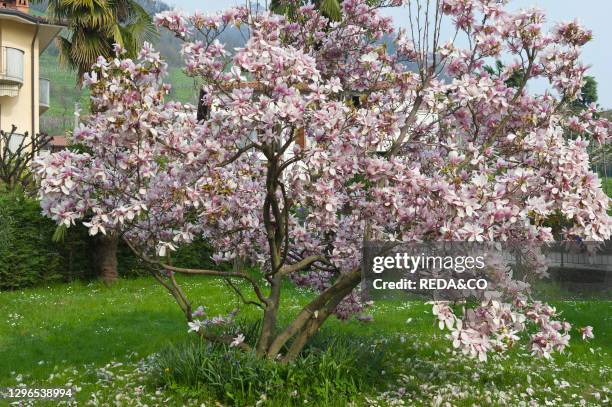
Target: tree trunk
x,y
314,323
105,258
313,315
268,328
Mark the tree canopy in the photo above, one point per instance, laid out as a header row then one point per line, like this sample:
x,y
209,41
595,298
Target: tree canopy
x,y
286,174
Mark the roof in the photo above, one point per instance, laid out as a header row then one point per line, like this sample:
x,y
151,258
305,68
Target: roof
x,y
22,14
47,30
59,141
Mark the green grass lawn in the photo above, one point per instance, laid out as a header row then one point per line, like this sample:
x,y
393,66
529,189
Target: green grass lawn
x,y
97,339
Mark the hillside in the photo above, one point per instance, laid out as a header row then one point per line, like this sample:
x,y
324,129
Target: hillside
x,y
65,93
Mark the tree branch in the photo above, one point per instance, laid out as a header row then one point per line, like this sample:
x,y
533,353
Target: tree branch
x,y
204,272
302,264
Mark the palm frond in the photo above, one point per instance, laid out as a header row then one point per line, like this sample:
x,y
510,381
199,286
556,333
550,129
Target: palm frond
x,y
119,36
64,45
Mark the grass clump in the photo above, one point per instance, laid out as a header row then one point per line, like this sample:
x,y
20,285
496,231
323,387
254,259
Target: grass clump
x,y
333,371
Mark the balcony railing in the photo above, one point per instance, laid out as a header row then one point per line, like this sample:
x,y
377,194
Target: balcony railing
x,y
11,65
44,93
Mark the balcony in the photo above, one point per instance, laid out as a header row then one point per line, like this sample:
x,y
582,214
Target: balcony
x,y
11,66
44,92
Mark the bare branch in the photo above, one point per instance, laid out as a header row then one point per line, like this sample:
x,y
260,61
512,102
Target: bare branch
x,y
301,265
203,272
16,158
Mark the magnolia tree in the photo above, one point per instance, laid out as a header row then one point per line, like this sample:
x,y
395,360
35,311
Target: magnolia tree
x,y
317,138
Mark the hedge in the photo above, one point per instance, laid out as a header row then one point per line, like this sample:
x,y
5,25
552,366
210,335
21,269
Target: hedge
x,y
29,256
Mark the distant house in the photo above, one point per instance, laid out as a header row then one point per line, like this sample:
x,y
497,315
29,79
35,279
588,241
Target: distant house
x,y
57,143
24,96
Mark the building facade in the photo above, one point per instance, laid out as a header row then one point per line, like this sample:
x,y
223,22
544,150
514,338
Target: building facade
x,y
23,94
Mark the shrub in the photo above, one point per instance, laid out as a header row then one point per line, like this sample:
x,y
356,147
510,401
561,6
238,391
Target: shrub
x,y
26,253
333,370
29,256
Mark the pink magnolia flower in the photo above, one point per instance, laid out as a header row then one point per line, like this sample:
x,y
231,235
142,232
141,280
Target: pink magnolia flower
x,y
445,315
237,340
587,332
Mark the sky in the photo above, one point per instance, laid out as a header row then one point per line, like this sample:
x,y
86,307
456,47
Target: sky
x,y
595,14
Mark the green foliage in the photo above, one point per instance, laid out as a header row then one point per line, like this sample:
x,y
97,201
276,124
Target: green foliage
x,y
588,94
34,251
514,81
195,255
26,251
335,370
607,185
330,8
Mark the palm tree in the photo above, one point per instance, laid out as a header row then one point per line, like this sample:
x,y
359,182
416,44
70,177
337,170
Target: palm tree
x,y
93,26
